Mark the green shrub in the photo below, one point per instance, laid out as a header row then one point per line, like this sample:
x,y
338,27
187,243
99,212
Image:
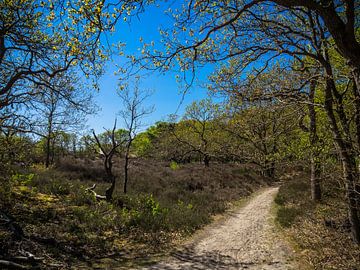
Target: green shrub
x,y
51,182
186,217
5,192
280,199
81,197
286,216
292,192
144,212
174,165
23,179
60,188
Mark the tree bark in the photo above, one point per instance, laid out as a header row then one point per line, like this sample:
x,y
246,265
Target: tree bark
x,y
47,158
126,167
126,164
357,114
206,160
356,74
347,156
109,192
269,168
315,165
315,178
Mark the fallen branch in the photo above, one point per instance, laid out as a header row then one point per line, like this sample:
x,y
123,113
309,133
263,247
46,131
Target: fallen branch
x,y
12,265
97,196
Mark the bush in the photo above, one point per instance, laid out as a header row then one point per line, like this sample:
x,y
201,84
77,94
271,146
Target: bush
x,y
82,197
186,218
174,165
292,192
322,246
286,216
144,212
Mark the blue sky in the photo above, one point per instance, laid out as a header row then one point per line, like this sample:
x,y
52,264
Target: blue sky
x,y
166,97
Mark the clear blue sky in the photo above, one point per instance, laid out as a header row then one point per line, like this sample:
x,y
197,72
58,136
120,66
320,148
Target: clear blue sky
x,y
166,97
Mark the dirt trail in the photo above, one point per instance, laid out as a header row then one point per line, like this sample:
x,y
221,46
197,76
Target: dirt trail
x,y
245,240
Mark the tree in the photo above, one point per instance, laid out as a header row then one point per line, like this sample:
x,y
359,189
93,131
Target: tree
x,y
62,107
37,43
132,114
262,132
225,30
196,131
15,148
315,163
256,33
40,40
164,145
108,151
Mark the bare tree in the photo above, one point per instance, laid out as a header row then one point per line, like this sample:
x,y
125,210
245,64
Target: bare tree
x,y
108,153
132,114
61,106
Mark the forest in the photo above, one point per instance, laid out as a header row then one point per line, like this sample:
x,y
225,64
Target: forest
x,y
282,109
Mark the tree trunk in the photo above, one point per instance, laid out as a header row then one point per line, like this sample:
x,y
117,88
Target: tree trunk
x,y
357,114
126,166
347,156
351,176
315,165
48,146
109,192
52,151
356,75
109,176
269,168
206,160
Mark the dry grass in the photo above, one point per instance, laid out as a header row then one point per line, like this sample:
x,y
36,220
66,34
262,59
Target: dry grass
x,y
65,224
320,245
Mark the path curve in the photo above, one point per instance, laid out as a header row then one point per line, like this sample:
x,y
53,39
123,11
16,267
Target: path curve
x,y
247,239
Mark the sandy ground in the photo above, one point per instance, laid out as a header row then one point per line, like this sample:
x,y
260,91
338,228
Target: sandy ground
x,y
245,239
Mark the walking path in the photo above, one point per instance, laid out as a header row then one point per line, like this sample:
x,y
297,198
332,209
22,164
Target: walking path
x,y
247,239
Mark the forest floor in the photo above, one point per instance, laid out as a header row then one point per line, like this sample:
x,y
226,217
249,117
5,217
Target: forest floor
x,y
245,238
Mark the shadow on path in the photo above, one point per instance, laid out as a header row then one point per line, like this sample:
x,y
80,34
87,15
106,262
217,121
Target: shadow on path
x,y
189,259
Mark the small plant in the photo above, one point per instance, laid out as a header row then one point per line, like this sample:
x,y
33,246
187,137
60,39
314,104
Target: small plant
x,y
174,165
23,179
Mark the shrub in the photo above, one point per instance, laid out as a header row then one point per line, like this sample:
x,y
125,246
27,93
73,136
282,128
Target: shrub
x,y
23,179
145,212
186,218
174,165
82,197
292,192
286,216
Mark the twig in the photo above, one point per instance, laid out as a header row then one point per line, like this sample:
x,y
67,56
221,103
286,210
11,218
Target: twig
x,y
12,265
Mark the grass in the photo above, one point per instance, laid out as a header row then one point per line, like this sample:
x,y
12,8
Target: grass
x,y
305,224
164,205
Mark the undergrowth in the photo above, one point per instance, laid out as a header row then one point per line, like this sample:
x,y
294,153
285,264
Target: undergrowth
x,y
67,224
320,231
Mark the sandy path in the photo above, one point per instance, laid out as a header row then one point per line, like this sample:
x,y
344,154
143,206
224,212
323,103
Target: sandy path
x,y
245,240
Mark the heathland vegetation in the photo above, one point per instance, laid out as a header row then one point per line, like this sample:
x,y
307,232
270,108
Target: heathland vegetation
x,y
283,107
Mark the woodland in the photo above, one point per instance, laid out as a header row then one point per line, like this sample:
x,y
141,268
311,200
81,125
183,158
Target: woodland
x,y
283,108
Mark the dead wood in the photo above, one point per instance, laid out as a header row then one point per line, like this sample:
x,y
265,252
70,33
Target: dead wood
x,y
97,196
12,265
